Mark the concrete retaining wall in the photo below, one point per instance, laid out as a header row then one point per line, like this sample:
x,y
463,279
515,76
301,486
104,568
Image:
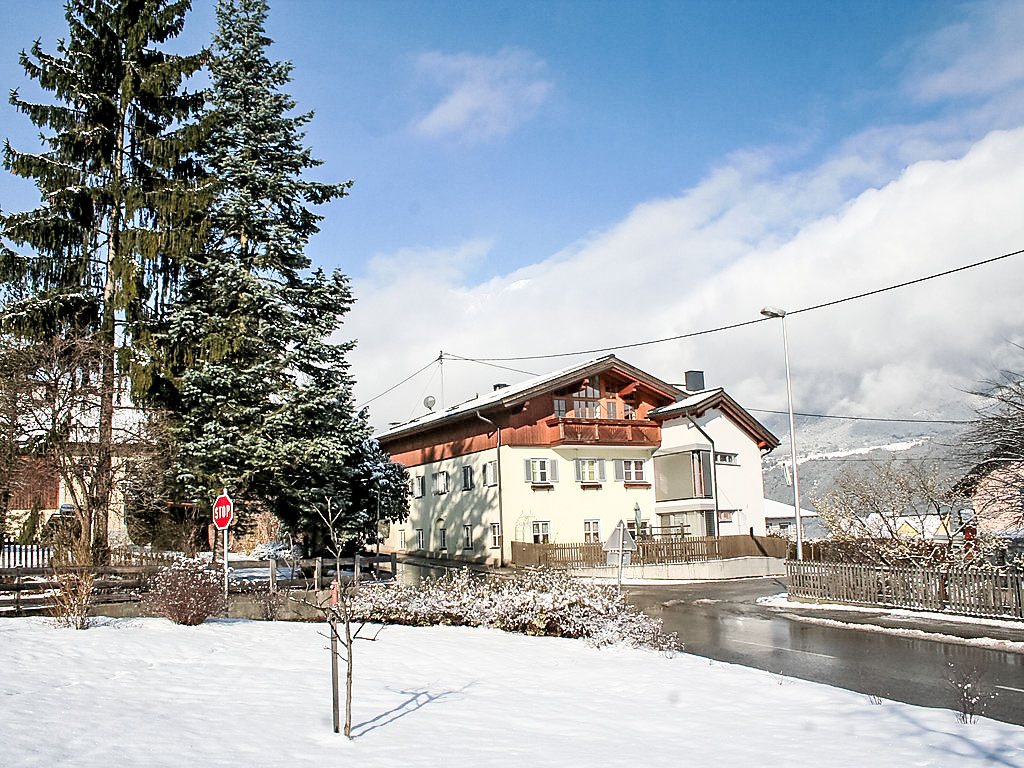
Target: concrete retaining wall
x,y
733,568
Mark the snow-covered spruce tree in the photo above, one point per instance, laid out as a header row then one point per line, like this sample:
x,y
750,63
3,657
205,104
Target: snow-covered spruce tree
x,y
262,399
119,200
378,492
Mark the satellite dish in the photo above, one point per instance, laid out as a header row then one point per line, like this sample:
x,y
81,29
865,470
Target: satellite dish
x,y
429,402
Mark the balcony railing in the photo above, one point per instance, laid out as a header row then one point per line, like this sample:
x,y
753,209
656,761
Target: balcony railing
x,y
563,430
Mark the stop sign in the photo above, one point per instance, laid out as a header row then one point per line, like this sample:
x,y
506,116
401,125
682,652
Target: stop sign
x,y
223,511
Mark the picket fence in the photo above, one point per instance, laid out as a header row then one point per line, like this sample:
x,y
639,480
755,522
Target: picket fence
x,y
964,591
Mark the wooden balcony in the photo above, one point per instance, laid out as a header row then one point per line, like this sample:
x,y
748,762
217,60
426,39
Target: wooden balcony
x,y
572,431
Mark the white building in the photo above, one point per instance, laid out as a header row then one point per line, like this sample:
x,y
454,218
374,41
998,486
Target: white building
x,y
562,458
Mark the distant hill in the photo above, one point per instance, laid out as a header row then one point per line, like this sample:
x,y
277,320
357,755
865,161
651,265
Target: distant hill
x,y
826,447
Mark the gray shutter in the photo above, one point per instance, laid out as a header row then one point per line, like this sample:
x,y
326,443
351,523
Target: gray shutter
x,y
620,472
527,471
579,471
553,470
600,470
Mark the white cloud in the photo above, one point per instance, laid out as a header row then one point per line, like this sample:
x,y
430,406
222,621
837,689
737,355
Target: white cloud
x,y
486,96
890,204
715,256
979,55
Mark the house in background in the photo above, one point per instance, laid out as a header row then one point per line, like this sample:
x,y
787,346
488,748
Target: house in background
x,y
779,519
562,458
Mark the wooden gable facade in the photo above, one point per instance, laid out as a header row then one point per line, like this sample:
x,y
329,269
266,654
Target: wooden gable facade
x,y
605,403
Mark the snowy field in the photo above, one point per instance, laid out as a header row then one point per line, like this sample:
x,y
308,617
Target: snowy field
x,y
144,692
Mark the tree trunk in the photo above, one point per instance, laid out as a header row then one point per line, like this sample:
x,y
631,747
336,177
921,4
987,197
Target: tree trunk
x,y
348,670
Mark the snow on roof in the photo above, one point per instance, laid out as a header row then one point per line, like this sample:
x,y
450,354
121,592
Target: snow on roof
x,y
509,394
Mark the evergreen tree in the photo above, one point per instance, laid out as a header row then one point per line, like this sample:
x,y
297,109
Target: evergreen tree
x,y
264,399
120,201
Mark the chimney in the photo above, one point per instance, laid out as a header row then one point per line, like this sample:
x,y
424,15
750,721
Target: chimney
x,y
499,386
694,381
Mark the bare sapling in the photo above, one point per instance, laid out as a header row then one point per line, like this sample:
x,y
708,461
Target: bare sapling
x,y
338,612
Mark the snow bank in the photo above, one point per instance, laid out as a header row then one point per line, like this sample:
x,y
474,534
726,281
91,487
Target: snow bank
x,y
230,693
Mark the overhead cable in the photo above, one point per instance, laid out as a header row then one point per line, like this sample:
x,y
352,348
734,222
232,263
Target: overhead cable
x,y
732,326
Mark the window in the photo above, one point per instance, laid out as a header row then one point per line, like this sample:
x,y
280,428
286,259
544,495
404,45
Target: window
x,y
645,527
611,411
587,404
495,535
467,478
684,475
630,470
726,458
419,538
726,515
401,539
491,473
444,538
591,531
541,532
560,407
628,411
589,471
467,537
440,482
416,486
540,471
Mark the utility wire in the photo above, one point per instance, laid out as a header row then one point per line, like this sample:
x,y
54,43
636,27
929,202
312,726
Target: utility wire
x,y
862,418
492,360
451,356
396,386
753,321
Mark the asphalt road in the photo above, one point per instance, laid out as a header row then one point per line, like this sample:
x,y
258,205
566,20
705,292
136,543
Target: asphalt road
x,y
722,620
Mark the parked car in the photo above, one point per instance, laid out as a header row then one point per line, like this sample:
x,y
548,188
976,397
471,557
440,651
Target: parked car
x,y
64,523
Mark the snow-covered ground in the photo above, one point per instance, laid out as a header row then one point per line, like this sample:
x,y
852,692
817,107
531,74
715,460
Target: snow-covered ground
x,y
136,692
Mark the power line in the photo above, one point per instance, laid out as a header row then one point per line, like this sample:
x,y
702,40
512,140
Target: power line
x,y
451,356
396,386
732,326
862,418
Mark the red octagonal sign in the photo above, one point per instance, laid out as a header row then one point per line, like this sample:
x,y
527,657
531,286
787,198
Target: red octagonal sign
x,y
223,511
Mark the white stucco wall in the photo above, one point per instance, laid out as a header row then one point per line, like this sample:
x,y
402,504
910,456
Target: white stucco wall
x,y
567,504
476,507
740,486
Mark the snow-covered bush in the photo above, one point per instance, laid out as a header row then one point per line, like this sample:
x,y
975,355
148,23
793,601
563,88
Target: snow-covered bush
x,y
970,694
535,602
188,591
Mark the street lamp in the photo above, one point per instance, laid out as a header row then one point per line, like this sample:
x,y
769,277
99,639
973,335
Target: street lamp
x,y
781,314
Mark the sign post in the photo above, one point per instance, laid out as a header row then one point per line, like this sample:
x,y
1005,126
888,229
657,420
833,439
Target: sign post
x,y
223,514
619,546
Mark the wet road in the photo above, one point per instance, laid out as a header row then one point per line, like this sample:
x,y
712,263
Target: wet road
x,y
723,621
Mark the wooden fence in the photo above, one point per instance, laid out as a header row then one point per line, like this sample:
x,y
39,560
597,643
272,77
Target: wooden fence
x,y
27,589
970,592
653,550
14,555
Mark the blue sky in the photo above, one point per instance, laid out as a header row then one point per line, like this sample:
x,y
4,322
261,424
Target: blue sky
x,y
544,176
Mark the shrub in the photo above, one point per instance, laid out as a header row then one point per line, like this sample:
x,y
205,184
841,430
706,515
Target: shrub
x,y
188,591
970,694
535,602
69,602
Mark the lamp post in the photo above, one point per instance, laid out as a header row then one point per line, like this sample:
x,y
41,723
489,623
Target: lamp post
x,y
781,314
